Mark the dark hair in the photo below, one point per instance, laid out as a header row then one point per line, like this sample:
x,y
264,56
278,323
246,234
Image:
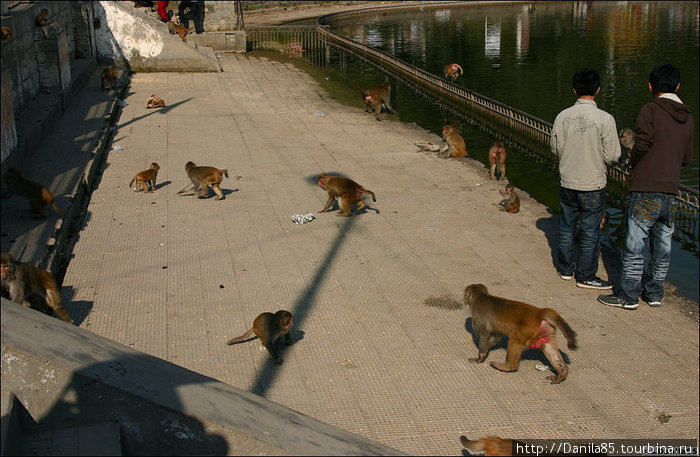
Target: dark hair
x,y
664,78
586,81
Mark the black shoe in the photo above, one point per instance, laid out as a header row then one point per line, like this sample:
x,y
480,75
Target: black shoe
x,y
595,283
654,303
618,302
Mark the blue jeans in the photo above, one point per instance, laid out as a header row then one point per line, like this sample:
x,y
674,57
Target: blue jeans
x,y
649,215
589,204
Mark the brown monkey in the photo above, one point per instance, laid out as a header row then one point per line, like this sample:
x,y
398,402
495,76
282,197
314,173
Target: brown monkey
x,y
497,157
526,326
154,101
20,281
109,77
453,70
42,17
39,196
376,97
347,189
202,178
455,143
511,202
491,445
269,328
178,29
146,179
6,33
627,138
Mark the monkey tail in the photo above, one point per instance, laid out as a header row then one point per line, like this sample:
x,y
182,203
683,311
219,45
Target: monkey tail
x,y
555,319
224,172
245,336
132,182
367,191
460,69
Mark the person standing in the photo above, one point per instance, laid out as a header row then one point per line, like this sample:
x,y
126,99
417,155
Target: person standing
x,y
663,144
584,139
162,10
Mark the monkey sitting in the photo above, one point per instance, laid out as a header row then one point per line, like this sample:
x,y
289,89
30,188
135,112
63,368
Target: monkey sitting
x,y
525,325
21,281
202,178
39,196
146,179
42,17
511,202
178,29
456,147
376,98
490,445
452,71
154,101
269,328
497,158
349,191
109,77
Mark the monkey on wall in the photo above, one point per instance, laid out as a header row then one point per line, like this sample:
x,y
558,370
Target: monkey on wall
x,y
6,33
525,325
497,158
154,101
21,281
204,177
348,190
39,196
269,328
42,17
456,147
511,200
146,180
179,30
109,77
377,97
453,71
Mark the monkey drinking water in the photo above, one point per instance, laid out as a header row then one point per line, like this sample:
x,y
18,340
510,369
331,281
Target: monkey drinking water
x,y
269,328
525,325
348,190
204,177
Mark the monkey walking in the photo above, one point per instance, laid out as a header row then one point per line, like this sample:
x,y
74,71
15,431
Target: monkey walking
x,y
20,281
497,158
109,77
179,30
456,147
39,196
452,71
511,202
349,191
146,179
526,326
269,328
202,178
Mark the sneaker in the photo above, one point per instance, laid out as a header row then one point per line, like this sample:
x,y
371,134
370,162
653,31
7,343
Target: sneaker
x,y
595,283
654,303
618,302
566,277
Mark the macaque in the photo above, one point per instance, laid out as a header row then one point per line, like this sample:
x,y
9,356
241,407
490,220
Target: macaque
x,y
455,143
347,189
202,178
491,445
178,29
525,325
109,77
21,281
41,18
269,328
453,70
376,97
39,196
6,33
627,138
146,179
511,202
154,101
497,157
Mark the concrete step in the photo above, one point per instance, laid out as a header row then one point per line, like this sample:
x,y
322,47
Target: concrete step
x,y
93,439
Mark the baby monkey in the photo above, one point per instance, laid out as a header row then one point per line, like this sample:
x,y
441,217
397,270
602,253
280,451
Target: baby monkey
x,y
511,202
348,190
269,328
146,179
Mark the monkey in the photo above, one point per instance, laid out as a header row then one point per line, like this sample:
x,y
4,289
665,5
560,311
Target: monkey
x,y
109,77
146,179
39,196
349,191
154,101
627,138
6,33
376,97
511,202
202,178
455,143
497,157
20,281
269,328
452,71
491,445
42,17
180,30
525,325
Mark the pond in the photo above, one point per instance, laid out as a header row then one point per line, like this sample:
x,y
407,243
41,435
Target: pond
x,y
524,55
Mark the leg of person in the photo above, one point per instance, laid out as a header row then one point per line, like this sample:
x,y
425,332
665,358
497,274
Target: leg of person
x,y
182,16
592,204
162,12
660,248
568,201
198,16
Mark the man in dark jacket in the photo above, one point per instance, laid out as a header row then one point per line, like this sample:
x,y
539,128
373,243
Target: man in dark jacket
x,y
663,144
